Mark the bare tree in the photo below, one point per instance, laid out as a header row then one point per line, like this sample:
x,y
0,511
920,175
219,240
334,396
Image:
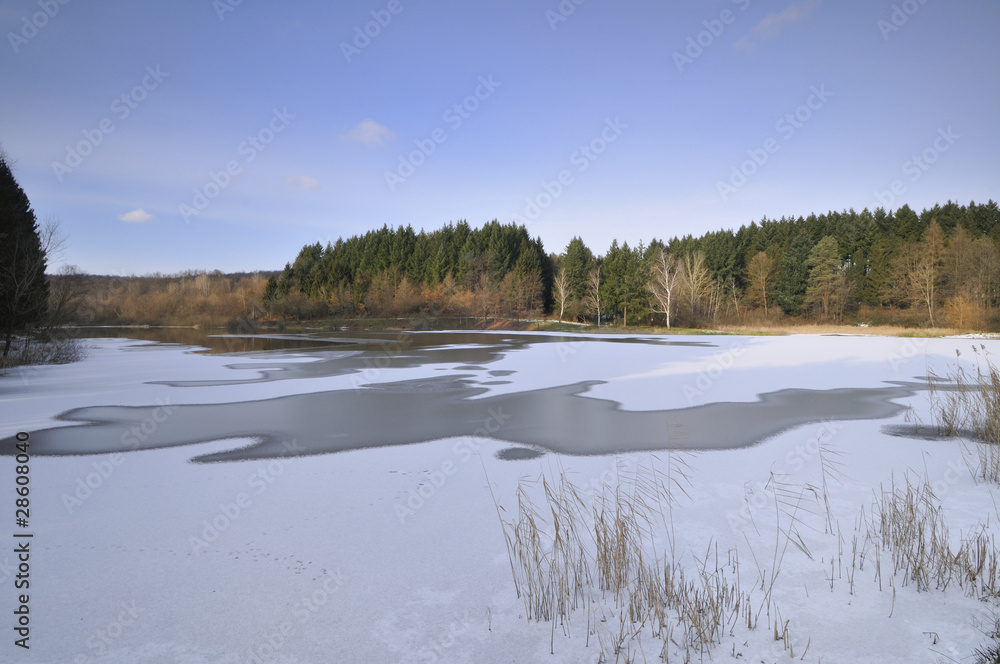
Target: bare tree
x,y
842,291
920,268
971,268
561,285
487,297
986,274
734,293
593,297
66,291
713,299
663,277
696,281
760,269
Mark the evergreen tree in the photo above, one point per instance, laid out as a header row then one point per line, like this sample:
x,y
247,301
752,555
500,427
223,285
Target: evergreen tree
x,y
793,275
578,261
24,289
625,276
270,290
907,224
506,264
824,273
613,271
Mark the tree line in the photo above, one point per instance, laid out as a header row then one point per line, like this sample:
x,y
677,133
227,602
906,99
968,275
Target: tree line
x,y
939,267
494,270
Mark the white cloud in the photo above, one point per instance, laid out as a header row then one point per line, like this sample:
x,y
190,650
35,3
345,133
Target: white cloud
x,y
772,25
304,182
138,216
369,132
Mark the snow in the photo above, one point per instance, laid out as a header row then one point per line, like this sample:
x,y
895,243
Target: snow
x,y
395,554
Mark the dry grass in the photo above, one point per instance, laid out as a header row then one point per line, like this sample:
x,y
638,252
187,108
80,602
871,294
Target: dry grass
x,y
31,351
967,403
911,526
826,328
990,653
604,566
610,561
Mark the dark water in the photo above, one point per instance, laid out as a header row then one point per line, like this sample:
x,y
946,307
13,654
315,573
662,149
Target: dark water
x,y
221,340
217,340
453,405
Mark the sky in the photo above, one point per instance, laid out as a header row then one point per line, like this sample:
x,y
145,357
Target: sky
x,y
227,134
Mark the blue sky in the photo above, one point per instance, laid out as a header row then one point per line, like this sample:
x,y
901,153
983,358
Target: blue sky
x,y
226,135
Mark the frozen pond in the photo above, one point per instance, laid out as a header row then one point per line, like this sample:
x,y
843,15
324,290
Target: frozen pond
x,y
452,402
331,495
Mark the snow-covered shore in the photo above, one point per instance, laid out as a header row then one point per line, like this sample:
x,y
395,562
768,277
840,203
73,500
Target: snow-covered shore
x,y
396,554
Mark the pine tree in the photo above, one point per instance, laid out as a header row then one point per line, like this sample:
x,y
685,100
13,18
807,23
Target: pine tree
x,y
578,260
878,286
790,284
270,290
24,289
824,272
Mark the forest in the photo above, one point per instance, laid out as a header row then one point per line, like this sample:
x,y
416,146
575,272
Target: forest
x,y
938,268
